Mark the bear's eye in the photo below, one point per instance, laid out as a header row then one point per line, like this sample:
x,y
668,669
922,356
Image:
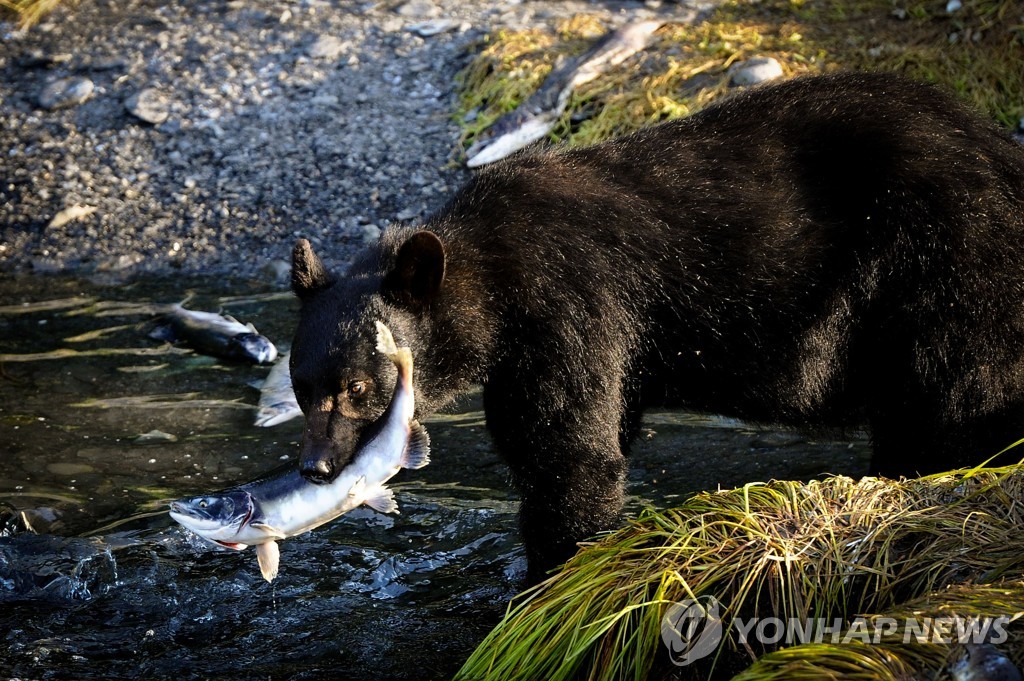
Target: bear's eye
x,y
357,388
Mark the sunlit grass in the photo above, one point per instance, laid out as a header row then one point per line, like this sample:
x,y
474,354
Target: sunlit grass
x,y
834,548
976,52
27,12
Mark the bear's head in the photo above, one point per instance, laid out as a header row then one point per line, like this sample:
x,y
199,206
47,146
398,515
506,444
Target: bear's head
x,y
341,382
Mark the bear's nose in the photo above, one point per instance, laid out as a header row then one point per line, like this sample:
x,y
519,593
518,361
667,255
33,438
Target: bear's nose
x,y
317,470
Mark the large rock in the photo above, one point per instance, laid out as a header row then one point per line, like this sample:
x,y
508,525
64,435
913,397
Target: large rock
x,y
757,70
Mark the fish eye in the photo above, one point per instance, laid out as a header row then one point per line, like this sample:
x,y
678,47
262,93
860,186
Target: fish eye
x,y
357,389
203,504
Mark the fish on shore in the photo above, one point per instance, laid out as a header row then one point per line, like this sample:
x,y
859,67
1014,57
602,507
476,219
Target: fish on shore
x,y
283,504
536,117
277,398
213,334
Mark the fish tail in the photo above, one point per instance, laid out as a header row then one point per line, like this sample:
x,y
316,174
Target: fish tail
x,y
402,357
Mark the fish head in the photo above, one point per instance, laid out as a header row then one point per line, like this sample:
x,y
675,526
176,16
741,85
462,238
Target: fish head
x,y
217,517
252,347
342,383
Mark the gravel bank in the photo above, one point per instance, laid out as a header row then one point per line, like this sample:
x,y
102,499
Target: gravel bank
x,y
150,137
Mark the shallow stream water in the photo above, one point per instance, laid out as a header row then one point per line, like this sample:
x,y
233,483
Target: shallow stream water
x,y
100,427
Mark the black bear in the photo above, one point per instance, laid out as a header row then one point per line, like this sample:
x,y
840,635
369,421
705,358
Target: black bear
x,y
823,252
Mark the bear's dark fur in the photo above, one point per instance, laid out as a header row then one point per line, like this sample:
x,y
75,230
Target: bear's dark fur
x,y
822,252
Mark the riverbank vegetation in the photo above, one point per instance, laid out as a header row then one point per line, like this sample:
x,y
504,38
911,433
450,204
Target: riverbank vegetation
x,y
975,50
828,549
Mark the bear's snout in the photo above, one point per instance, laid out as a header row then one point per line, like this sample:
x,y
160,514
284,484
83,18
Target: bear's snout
x,y
319,462
319,470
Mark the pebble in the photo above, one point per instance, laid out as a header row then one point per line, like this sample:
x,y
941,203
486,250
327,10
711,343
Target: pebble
x,y
107,63
326,47
63,468
370,233
953,6
418,9
154,437
148,105
65,92
426,29
757,70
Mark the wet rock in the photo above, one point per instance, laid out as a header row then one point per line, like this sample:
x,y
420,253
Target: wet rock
x,y
66,92
953,6
155,437
43,520
148,105
10,520
326,47
105,63
757,70
69,469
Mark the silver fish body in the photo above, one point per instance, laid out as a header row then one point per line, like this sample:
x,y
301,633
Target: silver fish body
x,y
284,504
213,334
277,398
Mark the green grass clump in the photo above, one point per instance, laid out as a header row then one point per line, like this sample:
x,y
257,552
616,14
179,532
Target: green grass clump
x,y
27,12
975,52
825,549
895,656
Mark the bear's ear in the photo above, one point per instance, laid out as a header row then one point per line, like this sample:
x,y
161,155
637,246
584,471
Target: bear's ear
x,y
309,276
418,272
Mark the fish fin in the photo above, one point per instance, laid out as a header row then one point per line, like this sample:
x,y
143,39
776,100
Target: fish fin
x,y
358,487
268,555
252,328
402,357
417,449
270,530
272,418
382,499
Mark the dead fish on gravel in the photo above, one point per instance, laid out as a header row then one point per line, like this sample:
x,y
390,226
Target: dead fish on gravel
x,y
277,399
283,504
535,118
213,334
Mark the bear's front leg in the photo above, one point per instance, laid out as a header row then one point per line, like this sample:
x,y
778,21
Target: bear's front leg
x,y
562,444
